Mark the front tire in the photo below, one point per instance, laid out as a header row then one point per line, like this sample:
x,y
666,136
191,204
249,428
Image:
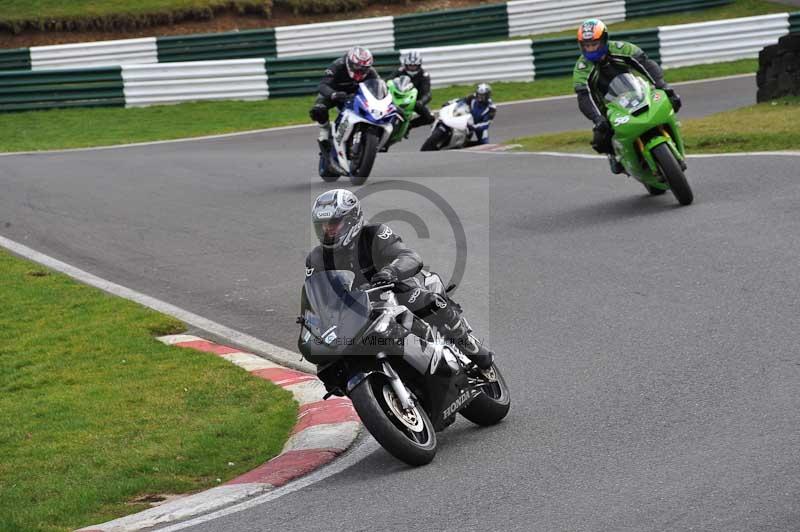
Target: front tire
x,y
435,141
366,156
415,446
493,403
671,170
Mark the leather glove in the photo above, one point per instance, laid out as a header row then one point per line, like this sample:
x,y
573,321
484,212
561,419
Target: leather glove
x,y
339,97
602,126
383,277
674,99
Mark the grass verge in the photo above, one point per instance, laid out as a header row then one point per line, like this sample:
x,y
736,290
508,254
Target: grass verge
x,y
79,128
97,413
769,126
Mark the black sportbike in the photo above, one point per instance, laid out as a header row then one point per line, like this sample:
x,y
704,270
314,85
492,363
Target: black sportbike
x,y
405,380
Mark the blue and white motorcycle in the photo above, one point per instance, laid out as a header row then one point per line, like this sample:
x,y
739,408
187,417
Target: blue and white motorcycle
x,y
363,126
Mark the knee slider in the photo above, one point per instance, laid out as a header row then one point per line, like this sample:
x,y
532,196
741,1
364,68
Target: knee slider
x,y
319,113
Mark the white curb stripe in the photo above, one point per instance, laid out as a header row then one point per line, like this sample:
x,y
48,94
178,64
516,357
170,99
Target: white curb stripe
x,y
307,392
333,436
249,362
173,339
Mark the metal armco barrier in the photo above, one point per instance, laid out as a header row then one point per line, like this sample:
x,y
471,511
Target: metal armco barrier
x,y
497,61
644,8
451,26
212,46
435,28
723,40
15,59
102,53
794,22
527,17
49,89
335,37
238,79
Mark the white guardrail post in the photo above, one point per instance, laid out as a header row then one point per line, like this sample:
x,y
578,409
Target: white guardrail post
x,y
720,40
238,79
335,37
528,17
474,63
92,54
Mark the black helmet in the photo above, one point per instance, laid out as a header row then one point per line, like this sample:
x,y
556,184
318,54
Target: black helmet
x,y
412,62
337,218
483,92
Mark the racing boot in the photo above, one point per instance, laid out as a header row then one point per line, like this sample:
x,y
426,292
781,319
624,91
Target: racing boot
x,y
460,335
324,139
616,166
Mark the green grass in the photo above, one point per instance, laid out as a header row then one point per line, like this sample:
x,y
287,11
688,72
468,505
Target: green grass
x,y
96,412
78,128
35,9
739,8
770,126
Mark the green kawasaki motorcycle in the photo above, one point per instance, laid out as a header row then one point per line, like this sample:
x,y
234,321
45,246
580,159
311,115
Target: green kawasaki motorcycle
x,y
647,138
404,97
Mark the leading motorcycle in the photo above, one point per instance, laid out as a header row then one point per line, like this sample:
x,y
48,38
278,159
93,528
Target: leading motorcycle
x,y
364,124
647,138
406,381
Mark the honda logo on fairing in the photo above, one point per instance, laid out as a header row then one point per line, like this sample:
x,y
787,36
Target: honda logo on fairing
x,y
458,403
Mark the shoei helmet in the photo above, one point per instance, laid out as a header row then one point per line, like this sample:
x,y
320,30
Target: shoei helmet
x,y
593,39
483,92
412,61
337,218
359,61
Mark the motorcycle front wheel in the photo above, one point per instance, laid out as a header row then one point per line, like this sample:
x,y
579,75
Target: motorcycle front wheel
x,y
435,141
493,403
671,170
365,151
407,435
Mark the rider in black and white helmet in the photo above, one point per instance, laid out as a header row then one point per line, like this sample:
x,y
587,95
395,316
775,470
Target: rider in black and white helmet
x,y
378,256
483,112
411,66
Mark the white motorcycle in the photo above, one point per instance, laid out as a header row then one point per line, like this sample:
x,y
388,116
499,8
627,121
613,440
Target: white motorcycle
x,y
364,125
451,128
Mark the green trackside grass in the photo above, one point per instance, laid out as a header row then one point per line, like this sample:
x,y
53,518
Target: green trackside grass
x,y
769,126
97,413
78,128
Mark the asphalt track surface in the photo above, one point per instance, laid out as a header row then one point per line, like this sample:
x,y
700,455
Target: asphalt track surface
x,y
651,350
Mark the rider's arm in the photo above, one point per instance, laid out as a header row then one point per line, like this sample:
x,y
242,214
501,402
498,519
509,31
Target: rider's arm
x,y
586,102
394,254
424,88
325,87
650,68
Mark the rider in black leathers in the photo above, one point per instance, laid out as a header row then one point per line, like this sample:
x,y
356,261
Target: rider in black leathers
x,y
339,83
411,66
378,256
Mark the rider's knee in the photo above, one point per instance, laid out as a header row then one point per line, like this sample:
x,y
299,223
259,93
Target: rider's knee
x,y
319,113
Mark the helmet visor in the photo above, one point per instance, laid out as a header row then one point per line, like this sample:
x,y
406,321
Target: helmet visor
x,y
330,231
358,72
412,69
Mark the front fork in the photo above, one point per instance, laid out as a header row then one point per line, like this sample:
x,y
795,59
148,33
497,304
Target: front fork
x,y
396,383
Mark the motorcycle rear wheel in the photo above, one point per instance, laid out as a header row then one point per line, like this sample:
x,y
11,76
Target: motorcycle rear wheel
x,y
493,403
671,170
415,446
366,157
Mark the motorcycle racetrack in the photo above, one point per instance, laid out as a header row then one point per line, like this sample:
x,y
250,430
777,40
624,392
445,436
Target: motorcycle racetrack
x,y
651,349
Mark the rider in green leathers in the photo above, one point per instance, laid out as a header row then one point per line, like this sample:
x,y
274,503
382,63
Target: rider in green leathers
x,y
600,62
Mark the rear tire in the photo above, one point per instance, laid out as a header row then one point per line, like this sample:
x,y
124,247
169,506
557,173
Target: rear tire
x,y
415,448
435,140
671,170
492,405
366,157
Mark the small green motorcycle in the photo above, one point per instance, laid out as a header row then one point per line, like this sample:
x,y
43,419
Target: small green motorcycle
x,y
404,97
647,138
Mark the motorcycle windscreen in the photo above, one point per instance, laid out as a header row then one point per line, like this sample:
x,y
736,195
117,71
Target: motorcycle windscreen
x,y
627,90
343,312
376,87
